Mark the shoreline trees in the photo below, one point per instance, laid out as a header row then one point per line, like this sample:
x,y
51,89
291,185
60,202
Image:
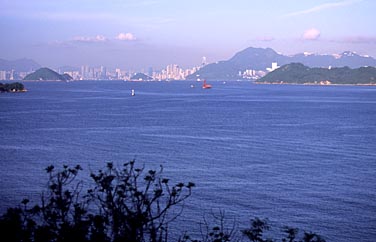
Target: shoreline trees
x,y
12,87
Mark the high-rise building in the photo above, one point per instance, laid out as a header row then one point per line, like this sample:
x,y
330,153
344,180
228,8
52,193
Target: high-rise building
x,y
103,73
11,77
203,61
3,75
118,73
150,71
274,67
85,72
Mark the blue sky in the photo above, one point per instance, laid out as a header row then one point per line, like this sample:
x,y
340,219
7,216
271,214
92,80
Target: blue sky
x,y
135,34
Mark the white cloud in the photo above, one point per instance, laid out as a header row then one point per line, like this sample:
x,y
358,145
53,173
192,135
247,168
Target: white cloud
x,y
324,6
311,34
98,38
125,36
94,39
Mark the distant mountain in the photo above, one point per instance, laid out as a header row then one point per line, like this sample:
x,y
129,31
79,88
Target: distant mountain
x,y
68,69
260,59
301,74
21,65
347,58
47,74
250,58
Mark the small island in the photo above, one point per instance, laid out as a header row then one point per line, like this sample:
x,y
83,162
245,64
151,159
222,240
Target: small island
x,y
297,73
12,87
46,74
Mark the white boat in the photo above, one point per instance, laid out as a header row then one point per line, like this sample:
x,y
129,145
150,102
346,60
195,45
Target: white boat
x,y
133,93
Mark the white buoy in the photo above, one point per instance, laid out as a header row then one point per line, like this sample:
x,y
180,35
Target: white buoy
x,y
133,92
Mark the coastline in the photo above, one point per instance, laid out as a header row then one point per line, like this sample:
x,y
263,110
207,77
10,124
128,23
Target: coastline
x,y
43,81
14,87
316,84
14,91
254,82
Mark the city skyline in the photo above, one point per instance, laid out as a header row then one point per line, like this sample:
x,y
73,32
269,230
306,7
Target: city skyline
x,y
139,34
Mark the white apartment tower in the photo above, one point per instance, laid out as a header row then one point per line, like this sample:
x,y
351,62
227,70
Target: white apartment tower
x,y
203,61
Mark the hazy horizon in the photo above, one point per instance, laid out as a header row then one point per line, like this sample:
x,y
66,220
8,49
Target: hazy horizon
x,y
140,34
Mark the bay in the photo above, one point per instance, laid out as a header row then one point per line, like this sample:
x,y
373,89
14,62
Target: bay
x,y
302,156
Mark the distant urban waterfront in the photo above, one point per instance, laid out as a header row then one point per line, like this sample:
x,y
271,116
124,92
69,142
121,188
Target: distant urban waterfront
x,y
301,156
171,72
253,64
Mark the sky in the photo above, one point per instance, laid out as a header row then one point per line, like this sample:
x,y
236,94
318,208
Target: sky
x,y
137,34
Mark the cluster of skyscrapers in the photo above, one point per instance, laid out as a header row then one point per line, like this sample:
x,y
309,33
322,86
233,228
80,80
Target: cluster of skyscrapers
x,y
86,72
171,72
12,75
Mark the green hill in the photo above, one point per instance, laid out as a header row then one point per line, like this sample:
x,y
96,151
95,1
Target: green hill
x,y
12,87
44,74
141,77
301,74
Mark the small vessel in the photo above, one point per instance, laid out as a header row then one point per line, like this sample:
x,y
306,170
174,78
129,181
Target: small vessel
x,y
133,93
205,85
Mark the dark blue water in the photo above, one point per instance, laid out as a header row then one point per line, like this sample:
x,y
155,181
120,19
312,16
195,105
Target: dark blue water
x,y
302,156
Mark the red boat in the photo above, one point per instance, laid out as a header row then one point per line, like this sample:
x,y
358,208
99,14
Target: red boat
x,y
205,85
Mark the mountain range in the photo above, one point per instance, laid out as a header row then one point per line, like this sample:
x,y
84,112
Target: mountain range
x,y
20,65
251,58
259,59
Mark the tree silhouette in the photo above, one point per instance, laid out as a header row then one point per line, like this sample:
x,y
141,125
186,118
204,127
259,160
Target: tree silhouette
x,y
124,205
129,204
135,209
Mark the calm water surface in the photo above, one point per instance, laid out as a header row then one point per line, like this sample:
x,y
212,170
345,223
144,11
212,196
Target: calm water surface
x,y
302,156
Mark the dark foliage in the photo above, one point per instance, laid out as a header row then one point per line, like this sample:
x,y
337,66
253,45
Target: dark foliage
x,y
260,226
136,207
216,228
125,204
12,87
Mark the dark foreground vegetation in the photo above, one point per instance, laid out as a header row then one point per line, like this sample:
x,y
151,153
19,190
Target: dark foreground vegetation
x,y
129,204
12,87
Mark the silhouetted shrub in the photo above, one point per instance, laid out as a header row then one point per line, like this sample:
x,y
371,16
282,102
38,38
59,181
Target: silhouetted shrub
x,y
125,204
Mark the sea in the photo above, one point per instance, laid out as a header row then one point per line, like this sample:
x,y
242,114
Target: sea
x,y
297,155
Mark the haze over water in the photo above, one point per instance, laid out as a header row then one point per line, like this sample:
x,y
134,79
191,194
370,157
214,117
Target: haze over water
x,y
302,156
